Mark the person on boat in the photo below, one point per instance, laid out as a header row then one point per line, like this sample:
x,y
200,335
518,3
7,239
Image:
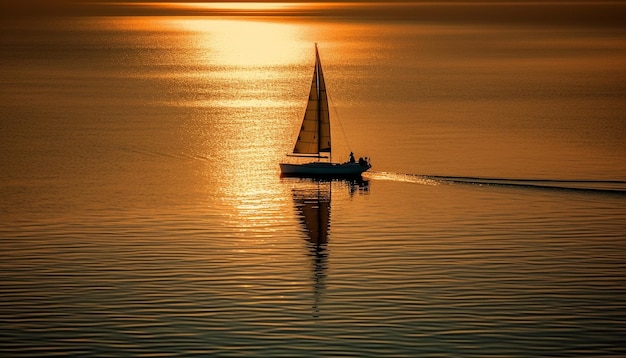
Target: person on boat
x,y
364,162
351,157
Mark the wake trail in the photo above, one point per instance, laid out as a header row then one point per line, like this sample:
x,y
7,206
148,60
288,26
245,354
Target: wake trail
x,y
163,154
398,177
577,185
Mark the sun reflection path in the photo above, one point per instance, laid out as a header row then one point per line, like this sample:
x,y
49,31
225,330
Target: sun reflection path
x,y
244,43
244,82
242,74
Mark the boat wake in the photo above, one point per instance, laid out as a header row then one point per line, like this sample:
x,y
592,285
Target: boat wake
x,y
591,186
398,177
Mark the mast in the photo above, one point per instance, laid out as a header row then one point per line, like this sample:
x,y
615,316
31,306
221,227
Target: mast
x,y
319,102
323,113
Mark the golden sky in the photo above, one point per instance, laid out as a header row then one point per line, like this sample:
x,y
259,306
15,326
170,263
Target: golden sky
x,y
553,12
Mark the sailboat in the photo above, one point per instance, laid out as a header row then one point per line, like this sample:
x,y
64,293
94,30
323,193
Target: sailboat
x,y
314,138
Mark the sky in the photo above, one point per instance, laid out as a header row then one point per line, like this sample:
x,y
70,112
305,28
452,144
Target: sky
x,y
602,13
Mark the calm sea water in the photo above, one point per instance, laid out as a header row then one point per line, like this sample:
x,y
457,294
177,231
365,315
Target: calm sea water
x,y
142,211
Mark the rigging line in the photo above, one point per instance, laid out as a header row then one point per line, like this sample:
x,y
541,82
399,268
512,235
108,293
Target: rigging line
x,y
338,120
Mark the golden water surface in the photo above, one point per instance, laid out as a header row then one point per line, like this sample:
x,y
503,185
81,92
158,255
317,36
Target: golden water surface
x,y
142,211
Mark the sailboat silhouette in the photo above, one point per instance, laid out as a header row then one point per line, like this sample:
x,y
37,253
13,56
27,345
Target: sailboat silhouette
x,y
314,138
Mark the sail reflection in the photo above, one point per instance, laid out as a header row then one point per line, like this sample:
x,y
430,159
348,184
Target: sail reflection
x,y
312,198
312,203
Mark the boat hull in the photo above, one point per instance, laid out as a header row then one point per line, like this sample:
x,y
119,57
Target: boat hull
x,y
323,169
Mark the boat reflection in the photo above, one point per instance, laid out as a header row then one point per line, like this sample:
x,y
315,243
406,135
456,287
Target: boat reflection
x,y
312,198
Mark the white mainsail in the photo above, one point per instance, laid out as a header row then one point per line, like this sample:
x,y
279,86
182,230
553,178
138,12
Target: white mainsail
x,y
314,136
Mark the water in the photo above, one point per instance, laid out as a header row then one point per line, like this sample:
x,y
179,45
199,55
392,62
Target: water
x,y
142,211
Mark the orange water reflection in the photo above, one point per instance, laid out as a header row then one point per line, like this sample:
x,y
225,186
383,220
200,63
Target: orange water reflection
x,y
243,43
242,111
242,84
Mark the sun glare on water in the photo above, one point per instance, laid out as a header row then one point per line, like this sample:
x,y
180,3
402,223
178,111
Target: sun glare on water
x,y
238,67
243,43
